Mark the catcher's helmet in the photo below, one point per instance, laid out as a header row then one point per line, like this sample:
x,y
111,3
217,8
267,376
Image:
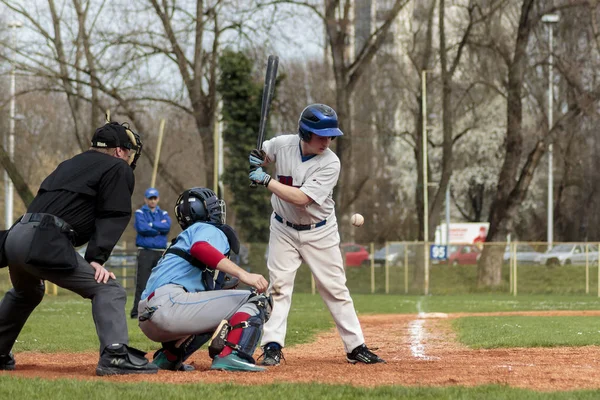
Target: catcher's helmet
x,y
320,120
199,205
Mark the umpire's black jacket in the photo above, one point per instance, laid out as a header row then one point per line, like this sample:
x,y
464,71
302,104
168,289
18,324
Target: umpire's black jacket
x,y
92,193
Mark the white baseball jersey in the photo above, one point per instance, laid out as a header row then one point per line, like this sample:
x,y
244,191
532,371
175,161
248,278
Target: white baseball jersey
x,y
315,176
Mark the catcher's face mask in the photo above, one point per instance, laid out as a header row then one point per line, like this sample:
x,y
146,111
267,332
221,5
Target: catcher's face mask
x,y
135,147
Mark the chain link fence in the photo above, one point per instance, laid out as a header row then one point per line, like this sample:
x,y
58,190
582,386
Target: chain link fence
x,y
416,268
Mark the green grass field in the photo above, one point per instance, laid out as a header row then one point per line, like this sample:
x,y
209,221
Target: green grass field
x,y
519,331
19,388
64,323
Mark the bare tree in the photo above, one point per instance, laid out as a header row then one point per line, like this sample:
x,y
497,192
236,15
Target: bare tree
x,y
514,180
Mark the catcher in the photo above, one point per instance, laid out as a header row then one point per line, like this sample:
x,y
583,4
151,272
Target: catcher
x,y
185,302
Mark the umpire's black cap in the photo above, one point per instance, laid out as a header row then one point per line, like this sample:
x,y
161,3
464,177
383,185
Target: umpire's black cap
x,y
112,135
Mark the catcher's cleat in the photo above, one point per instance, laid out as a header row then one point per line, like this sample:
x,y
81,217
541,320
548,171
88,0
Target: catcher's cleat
x,y
272,355
161,360
364,355
172,358
233,362
7,362
120,359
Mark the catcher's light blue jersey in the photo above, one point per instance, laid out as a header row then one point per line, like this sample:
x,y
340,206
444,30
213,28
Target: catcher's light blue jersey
x,y
174,269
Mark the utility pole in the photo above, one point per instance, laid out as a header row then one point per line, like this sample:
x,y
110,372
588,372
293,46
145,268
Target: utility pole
x,y
10,143
550,19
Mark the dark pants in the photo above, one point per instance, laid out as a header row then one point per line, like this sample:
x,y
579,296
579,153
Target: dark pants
x,y
108,299
147,260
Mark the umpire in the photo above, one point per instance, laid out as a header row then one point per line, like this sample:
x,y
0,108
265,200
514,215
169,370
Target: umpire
x,y
152,225
87,199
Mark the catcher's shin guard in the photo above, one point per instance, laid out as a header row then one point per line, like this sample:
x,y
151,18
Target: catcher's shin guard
x,y
264,304
242,333
219,339
249,338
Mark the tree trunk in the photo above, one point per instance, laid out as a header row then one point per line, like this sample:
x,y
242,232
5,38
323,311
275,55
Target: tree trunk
x,y
203,124
16,178
490,263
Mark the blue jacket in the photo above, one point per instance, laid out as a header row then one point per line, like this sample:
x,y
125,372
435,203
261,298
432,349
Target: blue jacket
x,y
151,232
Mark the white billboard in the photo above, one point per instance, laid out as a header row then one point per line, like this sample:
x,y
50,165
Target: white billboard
x,y
462,232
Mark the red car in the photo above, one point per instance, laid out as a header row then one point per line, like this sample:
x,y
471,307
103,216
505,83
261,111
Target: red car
x,y
465,254
354,254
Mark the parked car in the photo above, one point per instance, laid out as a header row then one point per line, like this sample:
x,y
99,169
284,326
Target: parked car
x,y
464,254
395,254
525,254
569,253
354,254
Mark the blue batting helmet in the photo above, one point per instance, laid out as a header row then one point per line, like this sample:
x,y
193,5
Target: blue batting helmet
x,y
319,119
199,205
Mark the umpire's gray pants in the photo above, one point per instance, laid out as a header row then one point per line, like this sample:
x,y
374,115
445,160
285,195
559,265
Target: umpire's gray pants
x,y
108,299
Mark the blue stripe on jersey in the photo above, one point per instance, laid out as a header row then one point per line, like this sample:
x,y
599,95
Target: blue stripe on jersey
x,y
304,158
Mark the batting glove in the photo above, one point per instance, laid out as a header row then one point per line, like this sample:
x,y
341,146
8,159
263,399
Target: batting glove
x,y
259,176
257,157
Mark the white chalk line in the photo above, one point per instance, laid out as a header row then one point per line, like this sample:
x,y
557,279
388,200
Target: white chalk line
x,y
417,333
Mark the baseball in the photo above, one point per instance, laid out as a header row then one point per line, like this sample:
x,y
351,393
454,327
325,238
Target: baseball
x,y
357,220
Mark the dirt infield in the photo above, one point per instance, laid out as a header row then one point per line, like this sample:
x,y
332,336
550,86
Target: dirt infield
x,y
420,350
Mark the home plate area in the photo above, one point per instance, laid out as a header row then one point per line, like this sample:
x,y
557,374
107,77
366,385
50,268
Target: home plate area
x,y
420,350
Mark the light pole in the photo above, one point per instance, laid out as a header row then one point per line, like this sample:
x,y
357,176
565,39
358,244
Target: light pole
x,y
550,19
8,186
425,181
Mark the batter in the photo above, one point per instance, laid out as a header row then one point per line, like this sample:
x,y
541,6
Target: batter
x,y
304,228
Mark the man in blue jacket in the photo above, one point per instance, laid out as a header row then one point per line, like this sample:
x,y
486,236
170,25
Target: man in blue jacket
x,y
152,225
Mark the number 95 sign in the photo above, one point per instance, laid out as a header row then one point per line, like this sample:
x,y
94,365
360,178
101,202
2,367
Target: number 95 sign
x,y
438,252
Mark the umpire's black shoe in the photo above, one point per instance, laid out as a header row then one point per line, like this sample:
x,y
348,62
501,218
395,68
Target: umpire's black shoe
x,y
364,355
120,359
272,355
7,362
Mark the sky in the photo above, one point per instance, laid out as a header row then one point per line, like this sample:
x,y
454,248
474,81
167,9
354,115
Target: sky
x,y
300,36
297,32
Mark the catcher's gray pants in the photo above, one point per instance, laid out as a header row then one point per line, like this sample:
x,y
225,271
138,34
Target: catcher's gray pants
x,y
174,313
147,260
108,299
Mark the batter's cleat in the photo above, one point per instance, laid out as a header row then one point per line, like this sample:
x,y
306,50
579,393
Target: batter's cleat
x,y
120,359
364,355
7,362
272,355
161,360
233,362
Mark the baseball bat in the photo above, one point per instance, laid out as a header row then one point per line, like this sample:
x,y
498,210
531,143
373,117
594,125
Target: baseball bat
x,y
267,98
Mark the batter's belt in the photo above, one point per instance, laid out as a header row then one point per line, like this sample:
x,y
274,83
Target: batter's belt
x,y
300,227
